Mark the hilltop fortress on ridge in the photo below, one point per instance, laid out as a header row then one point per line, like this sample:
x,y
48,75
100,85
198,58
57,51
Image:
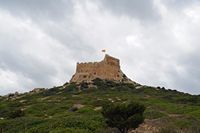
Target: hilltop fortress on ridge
x,y
107,69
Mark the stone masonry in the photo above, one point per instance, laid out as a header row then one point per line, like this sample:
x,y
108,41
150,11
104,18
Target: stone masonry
x,y
107,69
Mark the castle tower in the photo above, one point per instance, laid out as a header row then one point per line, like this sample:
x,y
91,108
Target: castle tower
x,y
107,69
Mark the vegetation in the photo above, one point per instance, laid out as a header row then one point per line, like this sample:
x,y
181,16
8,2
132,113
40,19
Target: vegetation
x,y
51,110
124,116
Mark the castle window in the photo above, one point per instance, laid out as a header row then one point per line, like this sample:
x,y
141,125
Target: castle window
x,y
117,75
84,76
95,73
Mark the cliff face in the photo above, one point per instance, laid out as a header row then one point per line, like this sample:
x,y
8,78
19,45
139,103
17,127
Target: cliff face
x,y
107,69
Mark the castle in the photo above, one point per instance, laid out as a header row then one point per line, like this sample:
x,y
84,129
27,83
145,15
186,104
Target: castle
x,y
107,69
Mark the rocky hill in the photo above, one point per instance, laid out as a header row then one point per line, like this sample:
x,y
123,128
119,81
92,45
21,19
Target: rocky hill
x,y
75,108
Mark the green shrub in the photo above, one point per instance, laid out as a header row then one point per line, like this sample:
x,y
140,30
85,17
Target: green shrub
x,y
71,88
51,91
84,86
124,116
16,113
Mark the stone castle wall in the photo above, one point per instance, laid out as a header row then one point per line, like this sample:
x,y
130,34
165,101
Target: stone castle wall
x,y
108,69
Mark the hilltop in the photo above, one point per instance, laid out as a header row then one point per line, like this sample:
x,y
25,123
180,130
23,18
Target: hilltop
x,y
75,108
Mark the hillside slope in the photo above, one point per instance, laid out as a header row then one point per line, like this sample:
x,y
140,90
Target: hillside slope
x,y
73,109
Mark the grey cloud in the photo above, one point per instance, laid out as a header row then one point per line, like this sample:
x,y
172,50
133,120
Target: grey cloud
x,y
38,9
68,37
179,4
142,9
150,57
60,28
190,79
59,13
14,60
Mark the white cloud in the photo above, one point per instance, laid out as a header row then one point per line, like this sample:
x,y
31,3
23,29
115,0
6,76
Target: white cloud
x,y
27,53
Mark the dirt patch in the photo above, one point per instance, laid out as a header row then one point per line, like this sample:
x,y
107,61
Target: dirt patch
x,y
149,126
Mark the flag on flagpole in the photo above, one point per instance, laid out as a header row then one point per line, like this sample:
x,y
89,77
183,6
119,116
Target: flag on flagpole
x,y
103,50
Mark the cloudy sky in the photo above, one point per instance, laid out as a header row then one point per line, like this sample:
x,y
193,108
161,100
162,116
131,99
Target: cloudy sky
x,y
157,41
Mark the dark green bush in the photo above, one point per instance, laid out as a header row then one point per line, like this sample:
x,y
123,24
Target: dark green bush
x,y
51,91
16,113
124,116
84,86
71,88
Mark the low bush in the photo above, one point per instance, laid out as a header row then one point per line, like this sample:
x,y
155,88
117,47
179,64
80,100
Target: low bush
x,y
124,116
16,113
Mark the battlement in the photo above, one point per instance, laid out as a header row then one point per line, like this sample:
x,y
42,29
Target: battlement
x,y
85,63
107,59
108,68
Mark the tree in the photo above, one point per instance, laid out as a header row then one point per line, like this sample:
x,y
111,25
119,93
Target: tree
x,y
124,116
